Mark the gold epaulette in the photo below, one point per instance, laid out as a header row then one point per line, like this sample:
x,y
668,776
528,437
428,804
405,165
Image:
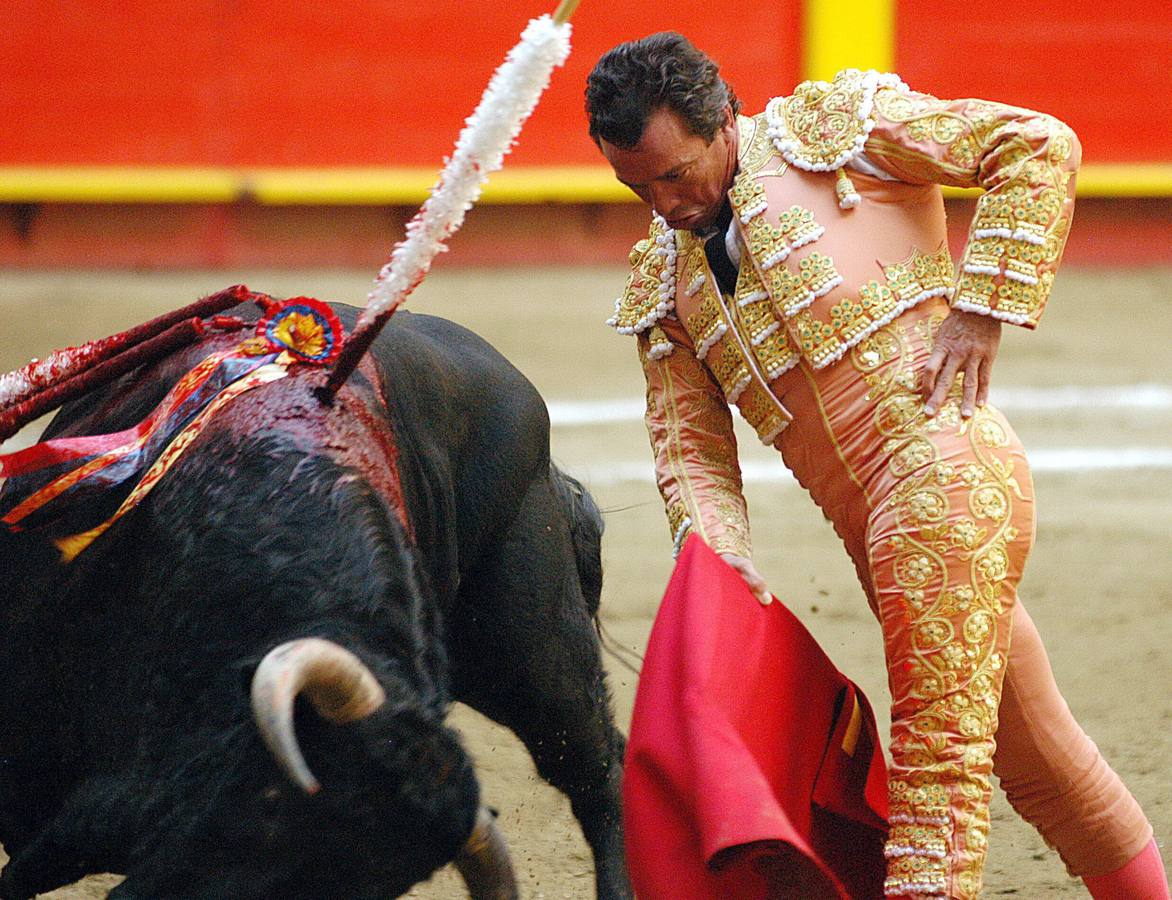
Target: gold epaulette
x,y
650,293
823,125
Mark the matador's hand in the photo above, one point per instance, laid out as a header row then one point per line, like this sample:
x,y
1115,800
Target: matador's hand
x,y
752,577
965,342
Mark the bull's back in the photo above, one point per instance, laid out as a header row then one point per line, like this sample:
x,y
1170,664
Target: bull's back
x,y
436,420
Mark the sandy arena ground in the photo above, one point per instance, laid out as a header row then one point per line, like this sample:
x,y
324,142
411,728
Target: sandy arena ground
x,y
1099,585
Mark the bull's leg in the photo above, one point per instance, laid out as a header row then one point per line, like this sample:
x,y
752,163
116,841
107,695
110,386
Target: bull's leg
x,y
526,654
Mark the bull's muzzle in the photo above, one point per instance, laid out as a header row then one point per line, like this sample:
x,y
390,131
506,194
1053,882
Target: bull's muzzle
x,y
342,689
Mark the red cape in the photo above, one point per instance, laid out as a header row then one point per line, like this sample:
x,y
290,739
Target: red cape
x,y
753,768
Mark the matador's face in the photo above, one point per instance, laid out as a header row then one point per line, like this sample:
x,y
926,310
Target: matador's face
x,y
681,175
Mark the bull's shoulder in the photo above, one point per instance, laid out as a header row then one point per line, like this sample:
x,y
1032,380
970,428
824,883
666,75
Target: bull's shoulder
x,y
440,372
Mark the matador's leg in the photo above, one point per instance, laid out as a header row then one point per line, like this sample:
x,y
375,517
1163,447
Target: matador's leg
x,y
1056,779
946,549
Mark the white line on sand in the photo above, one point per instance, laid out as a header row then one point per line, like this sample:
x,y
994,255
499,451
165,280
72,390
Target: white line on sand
x,y
1146,397
1053,459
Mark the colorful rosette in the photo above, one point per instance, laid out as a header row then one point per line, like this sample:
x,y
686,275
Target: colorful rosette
x,y
305,328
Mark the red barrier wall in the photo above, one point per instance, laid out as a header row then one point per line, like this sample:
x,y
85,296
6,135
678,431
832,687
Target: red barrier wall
x,y
1102,66
236,84
368,82
386,83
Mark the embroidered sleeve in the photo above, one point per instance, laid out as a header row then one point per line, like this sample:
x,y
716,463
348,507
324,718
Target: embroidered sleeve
x,y
695,450
1025,161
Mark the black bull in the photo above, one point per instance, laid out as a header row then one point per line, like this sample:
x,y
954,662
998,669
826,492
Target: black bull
x,y
127,741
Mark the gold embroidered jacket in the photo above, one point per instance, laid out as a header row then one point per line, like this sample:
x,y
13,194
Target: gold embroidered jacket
x,y
840,220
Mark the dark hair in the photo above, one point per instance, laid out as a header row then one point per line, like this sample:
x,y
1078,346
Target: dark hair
x,y
634,79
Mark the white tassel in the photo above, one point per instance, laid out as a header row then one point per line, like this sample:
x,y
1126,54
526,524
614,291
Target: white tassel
x,y
487,136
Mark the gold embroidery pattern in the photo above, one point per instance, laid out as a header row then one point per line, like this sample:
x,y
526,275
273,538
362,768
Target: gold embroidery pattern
x,y
712,508
649,294
794,292
771,244
679,523
776,355
917,843
693,267
735,538
757,149
761,326
823,125
1017,239
731,369
705,325
942,739
724,502
923,275
824,339
819,277
661,344
680,520
1020,225
757,323
760,410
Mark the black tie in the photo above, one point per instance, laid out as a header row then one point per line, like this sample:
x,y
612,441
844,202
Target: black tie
x,y
717,253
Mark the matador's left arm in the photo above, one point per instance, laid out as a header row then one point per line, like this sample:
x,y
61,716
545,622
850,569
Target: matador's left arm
x,y
1025,162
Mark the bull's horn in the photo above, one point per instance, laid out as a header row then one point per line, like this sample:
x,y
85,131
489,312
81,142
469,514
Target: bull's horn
x,y
340,687
484,862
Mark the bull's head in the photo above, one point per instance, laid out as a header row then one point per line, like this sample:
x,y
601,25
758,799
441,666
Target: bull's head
x,y
342,689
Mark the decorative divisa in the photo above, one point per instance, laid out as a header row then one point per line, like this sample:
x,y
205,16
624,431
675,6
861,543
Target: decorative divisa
x,y
294,332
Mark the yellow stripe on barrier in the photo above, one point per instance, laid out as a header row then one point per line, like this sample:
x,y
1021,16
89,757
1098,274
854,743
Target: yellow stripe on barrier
x,y
539,184
106,184
1125,180
410,186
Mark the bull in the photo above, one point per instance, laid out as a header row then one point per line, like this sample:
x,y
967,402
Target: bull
x,y
239,689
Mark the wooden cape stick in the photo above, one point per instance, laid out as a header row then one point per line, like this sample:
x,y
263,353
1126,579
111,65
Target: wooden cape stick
x,y
489,132
565,10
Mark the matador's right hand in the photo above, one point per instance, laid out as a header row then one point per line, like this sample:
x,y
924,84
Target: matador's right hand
x,y
753,579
